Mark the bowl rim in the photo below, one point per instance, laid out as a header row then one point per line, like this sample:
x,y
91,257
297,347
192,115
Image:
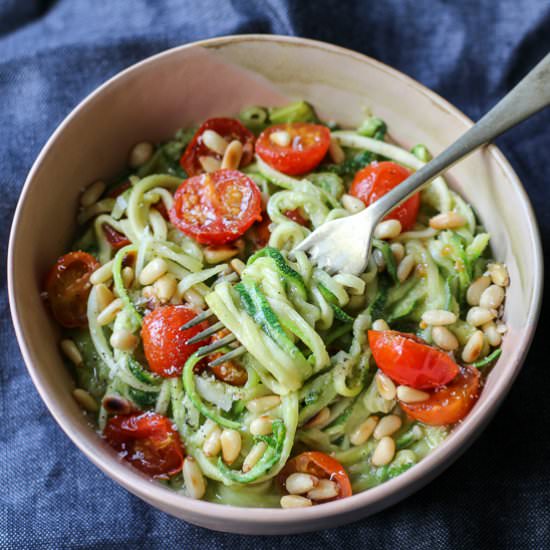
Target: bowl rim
x,y
378,497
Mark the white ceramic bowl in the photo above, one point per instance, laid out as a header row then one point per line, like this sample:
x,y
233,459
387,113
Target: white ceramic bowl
x,y
184,85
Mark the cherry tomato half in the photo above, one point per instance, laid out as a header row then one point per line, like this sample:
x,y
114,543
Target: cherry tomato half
x,y
149,442
216,208
376,180
448,404
307,147
68,286
165,345
321,466
297,216
407,360
230,129
116,239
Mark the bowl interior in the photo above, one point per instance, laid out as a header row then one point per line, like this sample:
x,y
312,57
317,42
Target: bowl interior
x,y
184,86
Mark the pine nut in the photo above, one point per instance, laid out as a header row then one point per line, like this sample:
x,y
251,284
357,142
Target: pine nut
x,y
193,478
280,138
116,404
298,483
219,254
385,386
92,194
362,433
152,271
379,260
102,274
193,298
123,340
214,141
295,501
212,444
262,404
477,316
71,352
447,220
107,316
85,400
232,157
104,296
127,276
473,347
237,265
398,251
336,152
492,297
499,274
443,338
325,489
140,154
387,425
148,292
380,324
502,328
438,317
352,204
209,164
254,455
476,289
494,337
388,229
405,267
165,287
231,445
384,452
411,395
261,425
320,419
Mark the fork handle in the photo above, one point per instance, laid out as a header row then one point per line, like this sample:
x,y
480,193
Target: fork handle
x,y
529,96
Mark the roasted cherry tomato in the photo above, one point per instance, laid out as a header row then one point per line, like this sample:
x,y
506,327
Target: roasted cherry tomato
x,y
230,372
164,344
118,190
148,441
376,180
230,129
320,465
68,286
216,208
407,360
116,239
307,145
448,404
259,233
296,216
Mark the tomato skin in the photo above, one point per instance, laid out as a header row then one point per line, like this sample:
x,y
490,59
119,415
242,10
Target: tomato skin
x,y
296,216
216,208
407,360
308,146
149,442
116,239
448,404
320,465
164,344
230,129
68,286
375,180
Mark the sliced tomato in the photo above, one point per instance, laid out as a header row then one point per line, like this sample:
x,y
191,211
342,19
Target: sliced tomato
x,y
164,344
148,441
448,404
297,216
308,145
321,466
376,179
119,189
216,208
230,372
68,286
116,239
230,129
408,360
259,233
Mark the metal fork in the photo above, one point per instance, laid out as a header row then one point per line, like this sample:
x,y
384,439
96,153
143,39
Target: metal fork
x,y
344,245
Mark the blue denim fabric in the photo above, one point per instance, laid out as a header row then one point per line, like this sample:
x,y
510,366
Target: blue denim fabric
x,y
53,53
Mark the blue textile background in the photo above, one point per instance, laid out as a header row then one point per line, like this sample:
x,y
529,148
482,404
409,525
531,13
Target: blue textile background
x,y
52,54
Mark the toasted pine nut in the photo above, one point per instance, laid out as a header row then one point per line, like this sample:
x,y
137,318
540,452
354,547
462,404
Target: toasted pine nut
x,y
494,337
492,297
320,419
499,274
387,425
336,152
438,317
352,204
140,154
92,193
447,220
209,164
281,138
380,324
476,289
388,229
398,251
108,315
192,297
295,501
212,444
254,455
102,274
123,340
85,400
116,404
219,254
385,385
405,267
473,347
231,445
104,296
233,154
477,316
379,260
384,452
127,276
214,141
193,478
71,352
324,490
411,395
261,426
237,265
299,483
152,271
262,404
362,433
149,293
165,287
443,338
